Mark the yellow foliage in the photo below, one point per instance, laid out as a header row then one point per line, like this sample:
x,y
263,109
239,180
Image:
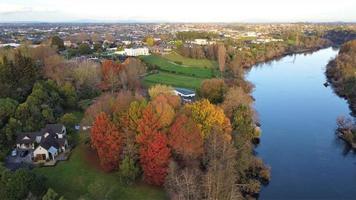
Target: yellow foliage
x,y
156,90
207,115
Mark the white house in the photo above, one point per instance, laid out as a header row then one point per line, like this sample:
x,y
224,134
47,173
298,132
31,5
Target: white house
x,y
200,41
185,94
134,52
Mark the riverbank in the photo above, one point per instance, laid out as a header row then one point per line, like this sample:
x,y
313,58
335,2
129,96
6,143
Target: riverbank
x,y
341,74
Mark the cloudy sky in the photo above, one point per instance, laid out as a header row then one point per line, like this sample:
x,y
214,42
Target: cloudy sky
x,y
178,10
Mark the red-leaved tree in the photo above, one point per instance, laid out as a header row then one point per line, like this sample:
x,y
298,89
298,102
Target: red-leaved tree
x,y
107,141
154,151
185,138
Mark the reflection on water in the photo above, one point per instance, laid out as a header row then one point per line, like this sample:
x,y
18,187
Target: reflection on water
x,y
297,113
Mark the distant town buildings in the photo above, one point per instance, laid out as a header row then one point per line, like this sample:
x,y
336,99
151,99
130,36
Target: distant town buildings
x,y
142,51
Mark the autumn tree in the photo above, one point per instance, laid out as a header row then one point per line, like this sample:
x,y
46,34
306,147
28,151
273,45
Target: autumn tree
x,y
185,138
110,75
219,181
207,115
221,57
183,183
213,90
150,41
235,97
154,151
160,89
163,110
134,69
107,141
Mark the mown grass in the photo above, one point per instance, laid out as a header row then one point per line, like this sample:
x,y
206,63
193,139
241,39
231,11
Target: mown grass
x,y
78,178
169,66
173,80
190,62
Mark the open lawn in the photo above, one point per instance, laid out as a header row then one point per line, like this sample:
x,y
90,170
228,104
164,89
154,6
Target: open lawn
x,y
202,63
173,80
81,177
169,66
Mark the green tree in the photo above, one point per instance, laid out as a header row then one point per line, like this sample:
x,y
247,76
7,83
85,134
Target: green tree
x,y
50,195
57,42
84,49
128,170
69,120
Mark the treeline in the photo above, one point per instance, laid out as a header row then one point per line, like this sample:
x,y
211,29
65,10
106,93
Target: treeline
x,y
341,73
340,36
196,151
191,35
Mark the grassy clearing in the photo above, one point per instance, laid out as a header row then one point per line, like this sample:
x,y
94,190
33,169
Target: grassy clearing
x,y
201,63
173,80
169,66
77,178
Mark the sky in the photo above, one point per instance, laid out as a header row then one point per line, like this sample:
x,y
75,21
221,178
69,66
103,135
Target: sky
x,y
178,10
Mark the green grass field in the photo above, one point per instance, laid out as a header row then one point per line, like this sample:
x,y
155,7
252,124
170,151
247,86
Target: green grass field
x,y
173,80
77,178
201,63
169,66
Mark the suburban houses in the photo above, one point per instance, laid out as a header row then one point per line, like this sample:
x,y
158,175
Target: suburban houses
x,y
44,145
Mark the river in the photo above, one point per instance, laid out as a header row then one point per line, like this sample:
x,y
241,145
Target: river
x,y
298,118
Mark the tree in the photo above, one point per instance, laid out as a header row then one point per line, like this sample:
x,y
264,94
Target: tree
x,y
150,41
154,151
221,58
84,49
111,75
183,183
134,69
219,181
243,123
163,110
160,89
213,90
207,115
106,140
50,195
58,43
185,138
128,170
235,97
69,120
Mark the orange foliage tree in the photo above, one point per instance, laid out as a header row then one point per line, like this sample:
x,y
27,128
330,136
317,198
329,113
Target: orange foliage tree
x,y
106,140
185,138
110,75
154,151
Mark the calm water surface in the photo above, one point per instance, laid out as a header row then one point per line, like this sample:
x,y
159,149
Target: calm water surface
x,y
298,116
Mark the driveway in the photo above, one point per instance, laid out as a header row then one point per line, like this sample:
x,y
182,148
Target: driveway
x,y
16,162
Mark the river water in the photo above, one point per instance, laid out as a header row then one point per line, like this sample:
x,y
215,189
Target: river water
x,y
298,117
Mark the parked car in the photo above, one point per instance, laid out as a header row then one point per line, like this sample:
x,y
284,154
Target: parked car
x,y
14,153
23,153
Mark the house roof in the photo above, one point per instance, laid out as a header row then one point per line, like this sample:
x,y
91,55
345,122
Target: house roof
x,y
49,137
185,91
